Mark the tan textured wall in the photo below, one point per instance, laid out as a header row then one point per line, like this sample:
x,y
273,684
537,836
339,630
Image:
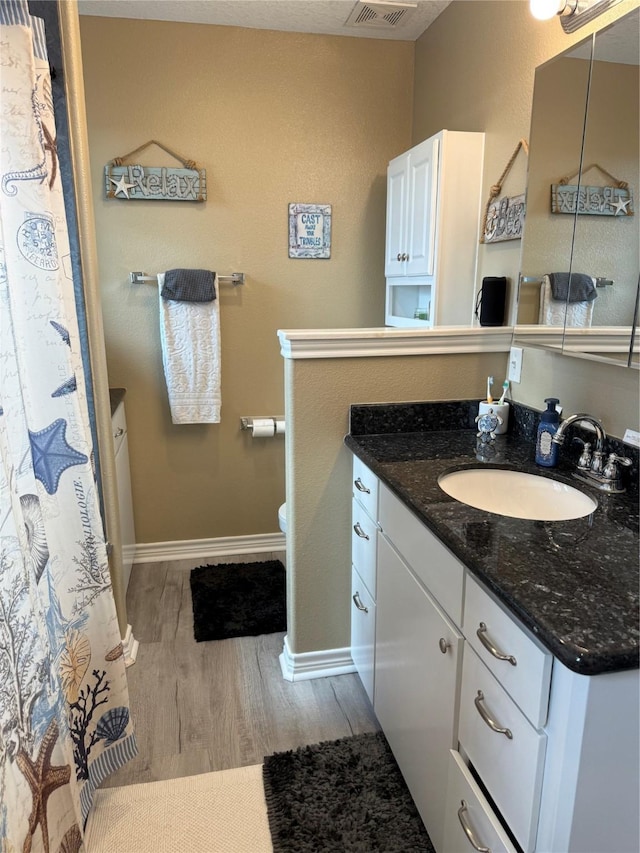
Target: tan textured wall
x,y
319,471
274,118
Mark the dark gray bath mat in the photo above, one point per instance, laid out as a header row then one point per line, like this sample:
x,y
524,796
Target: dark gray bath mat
x,y
238,600
343,796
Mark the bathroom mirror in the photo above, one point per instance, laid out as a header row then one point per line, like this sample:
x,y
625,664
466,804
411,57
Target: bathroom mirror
x,y
584,131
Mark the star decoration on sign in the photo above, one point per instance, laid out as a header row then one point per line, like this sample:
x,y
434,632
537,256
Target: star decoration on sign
x,y
621,205
43,779
52,454
121,186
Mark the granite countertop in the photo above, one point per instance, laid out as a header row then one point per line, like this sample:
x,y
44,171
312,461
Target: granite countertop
x,y
574,584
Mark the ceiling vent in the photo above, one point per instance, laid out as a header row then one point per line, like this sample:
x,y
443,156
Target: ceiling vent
x,y
379,14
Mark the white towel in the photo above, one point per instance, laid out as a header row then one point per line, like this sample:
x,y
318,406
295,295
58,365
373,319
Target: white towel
x,y
553,311
190,340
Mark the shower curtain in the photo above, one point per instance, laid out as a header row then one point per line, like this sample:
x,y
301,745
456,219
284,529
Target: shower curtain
x,y
64,711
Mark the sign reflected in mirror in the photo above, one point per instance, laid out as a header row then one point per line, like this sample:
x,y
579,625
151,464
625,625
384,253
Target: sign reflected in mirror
x,y
585,123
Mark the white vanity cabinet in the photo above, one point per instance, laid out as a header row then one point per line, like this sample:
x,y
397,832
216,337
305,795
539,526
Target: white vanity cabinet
x,y
502,746
432,230
123,482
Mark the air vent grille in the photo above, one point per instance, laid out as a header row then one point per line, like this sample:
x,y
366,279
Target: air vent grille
x,y
377,14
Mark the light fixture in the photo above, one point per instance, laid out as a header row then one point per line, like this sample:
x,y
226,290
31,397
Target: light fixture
x,y
573,13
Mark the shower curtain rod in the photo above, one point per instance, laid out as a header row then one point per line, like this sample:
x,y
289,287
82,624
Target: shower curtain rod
x,y
235,278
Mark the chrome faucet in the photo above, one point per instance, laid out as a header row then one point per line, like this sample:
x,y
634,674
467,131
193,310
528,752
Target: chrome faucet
x,y
592,468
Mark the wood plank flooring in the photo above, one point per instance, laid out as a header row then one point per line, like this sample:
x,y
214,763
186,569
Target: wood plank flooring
x,y
199,707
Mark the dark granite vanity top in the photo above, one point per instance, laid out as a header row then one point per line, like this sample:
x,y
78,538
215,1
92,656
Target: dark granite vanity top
x,y
574,584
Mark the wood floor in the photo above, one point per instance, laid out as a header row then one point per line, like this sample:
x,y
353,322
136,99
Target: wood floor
x,y
199,707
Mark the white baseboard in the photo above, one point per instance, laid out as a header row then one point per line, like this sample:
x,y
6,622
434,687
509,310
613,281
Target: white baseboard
x,y
129,647
197,549
307,665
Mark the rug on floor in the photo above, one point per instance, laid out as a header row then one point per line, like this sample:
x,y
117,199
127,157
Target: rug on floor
x,y
238,600
346,795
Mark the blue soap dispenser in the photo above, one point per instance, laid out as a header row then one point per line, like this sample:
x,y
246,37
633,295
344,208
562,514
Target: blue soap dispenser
x,y
546,450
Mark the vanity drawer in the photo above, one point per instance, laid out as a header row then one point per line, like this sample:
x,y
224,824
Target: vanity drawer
x,y
510,763
363,545
363,632
527,680
433,564
365,487
469,823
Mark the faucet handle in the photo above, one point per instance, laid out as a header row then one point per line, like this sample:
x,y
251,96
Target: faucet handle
x,y
611,471
584,463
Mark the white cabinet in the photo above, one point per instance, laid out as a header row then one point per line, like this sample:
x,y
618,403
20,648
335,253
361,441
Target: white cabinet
x,y
418,651
433,214
125,503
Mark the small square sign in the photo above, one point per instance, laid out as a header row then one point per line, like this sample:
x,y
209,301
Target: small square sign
x,y
309,230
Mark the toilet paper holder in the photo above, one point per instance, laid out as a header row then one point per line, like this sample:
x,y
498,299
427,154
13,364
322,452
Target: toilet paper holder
x,y
247,423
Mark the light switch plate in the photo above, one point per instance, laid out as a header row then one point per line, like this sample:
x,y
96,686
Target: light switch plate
x,y
515,364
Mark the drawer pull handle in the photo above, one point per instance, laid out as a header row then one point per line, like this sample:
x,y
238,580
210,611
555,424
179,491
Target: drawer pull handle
x,y
486,642
119,432
359,531
485,716
358,603
468,831
444,645
360,486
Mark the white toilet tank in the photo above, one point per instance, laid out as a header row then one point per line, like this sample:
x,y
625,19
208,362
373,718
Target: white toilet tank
x,y
282,517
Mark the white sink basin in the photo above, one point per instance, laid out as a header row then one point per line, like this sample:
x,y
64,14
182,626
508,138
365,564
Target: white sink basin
x,y
516,494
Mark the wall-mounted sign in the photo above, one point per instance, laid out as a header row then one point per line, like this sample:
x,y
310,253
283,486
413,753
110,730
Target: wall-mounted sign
x,y
598,201
154,183
309,230
504,219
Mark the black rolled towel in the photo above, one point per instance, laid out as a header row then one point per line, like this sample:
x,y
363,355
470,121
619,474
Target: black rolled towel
x,y
580,289
182,285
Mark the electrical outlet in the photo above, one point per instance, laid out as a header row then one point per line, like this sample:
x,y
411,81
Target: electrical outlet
x,y
515,364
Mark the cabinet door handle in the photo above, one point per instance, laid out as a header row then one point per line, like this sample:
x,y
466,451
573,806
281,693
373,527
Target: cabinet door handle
x,y
462,812
485,716
358,603
399,258
360,486
405,257
119,432
443,645
486,642
359,531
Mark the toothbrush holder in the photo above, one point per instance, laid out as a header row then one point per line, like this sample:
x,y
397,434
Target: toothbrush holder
x,y
501,410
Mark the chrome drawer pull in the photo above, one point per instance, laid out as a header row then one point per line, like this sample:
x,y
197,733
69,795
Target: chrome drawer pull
x,y
468,831
485,716
360,486
359,531
358,603
486,642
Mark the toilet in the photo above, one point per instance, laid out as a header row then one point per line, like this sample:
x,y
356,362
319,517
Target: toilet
x,y
282,517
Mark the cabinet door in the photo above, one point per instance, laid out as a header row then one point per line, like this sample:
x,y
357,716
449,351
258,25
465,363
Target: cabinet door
x,y
397,200
422,210
417,661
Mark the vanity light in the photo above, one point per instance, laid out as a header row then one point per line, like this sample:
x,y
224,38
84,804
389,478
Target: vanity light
x,y
573,13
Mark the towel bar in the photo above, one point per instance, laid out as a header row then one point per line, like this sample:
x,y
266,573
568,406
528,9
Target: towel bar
x,y
235,278
528,279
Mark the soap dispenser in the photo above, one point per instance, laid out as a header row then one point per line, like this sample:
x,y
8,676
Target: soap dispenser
x,y
546,450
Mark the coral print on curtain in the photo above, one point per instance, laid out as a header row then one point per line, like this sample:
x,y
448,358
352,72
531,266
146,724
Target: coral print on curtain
x,y
64,715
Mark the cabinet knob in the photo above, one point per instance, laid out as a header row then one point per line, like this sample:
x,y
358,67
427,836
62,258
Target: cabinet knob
x,y
405,257
399,258
473,841
119,432
444,645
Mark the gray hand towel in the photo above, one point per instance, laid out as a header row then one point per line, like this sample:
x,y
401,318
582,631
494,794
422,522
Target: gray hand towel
x,y
189,286
580,289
